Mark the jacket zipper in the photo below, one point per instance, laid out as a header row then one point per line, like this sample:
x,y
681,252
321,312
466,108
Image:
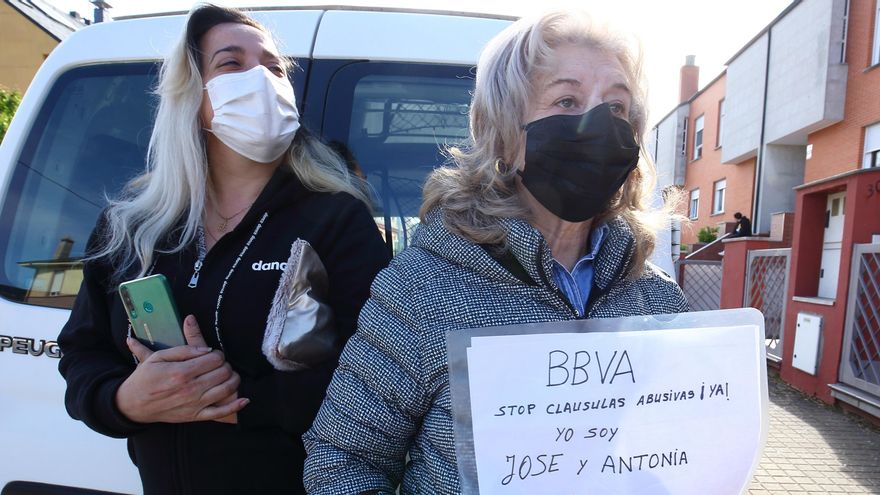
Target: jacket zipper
x,y
200,258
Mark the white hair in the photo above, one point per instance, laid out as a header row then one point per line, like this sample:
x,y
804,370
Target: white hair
x,y
480,188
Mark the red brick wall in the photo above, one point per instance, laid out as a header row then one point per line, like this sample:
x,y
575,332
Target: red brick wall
x,y
705,171
839,148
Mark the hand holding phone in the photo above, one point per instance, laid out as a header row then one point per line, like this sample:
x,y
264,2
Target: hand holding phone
x,y
152,312
181,384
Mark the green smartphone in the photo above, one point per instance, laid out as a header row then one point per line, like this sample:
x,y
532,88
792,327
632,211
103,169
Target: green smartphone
x,y
152,313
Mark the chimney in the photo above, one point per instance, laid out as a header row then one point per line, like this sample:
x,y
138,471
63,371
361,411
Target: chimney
x,y
101,8
690,79
65,246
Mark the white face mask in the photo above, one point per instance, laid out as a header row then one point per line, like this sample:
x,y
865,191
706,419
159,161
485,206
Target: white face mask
x,y
254,113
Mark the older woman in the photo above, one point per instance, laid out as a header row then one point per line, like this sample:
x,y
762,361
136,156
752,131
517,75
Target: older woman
x,y
542,218
232,183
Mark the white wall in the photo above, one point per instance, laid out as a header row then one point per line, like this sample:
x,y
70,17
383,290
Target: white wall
x,y
670,162
783,170
743,103
804,93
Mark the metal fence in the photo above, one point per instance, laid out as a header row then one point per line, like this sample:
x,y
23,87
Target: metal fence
x,y
765,289
860,366
701,283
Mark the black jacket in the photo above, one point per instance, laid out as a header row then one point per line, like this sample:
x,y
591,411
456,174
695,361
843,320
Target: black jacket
x,y
264,452
743,228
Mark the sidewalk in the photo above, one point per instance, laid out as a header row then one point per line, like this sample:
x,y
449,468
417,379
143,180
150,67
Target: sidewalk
x,y
815,449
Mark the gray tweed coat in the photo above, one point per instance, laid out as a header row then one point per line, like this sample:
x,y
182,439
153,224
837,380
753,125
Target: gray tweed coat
x,y
390,395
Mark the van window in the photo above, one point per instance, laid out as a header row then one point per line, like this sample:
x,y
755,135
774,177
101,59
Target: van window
x,y
396,120
88,139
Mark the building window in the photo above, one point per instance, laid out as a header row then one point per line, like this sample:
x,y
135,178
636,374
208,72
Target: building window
x,y
698,137
872,146
57,281
718,197
695,204
720,123
875,59
684,137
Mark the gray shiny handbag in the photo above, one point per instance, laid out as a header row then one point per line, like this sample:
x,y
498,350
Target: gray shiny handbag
x,y
300,331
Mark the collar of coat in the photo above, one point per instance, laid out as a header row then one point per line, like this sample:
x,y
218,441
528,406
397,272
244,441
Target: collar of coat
x,y
529,248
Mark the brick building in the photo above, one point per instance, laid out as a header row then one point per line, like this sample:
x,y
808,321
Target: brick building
x,y
686,147
835,270
798,151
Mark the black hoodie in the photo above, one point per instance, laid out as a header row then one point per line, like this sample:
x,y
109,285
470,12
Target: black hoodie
x,y
263,453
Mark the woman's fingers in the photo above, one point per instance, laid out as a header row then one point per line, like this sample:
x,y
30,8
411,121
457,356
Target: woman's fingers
x,y
140,351
181,384
220,393
200,365
215,377
217,411
192,332
180,354
211,413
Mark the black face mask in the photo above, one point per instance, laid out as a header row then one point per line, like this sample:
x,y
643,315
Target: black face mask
x,y
576,163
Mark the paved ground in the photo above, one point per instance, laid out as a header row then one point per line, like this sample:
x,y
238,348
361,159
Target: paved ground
x,y
813,448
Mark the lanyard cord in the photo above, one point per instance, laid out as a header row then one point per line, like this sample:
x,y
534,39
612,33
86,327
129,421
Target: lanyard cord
x,y
229,275
194,280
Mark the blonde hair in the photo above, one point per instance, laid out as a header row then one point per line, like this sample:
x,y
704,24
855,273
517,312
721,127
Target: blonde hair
x,y
480,188
171,192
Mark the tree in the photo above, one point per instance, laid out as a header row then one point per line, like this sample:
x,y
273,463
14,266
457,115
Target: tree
x,y
9,100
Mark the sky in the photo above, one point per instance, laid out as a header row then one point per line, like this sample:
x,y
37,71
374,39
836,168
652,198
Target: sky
x,y
668,30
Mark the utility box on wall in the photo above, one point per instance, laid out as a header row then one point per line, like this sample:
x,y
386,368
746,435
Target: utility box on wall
x,y
808,335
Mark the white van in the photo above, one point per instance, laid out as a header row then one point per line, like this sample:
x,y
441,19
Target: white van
x,y
390,85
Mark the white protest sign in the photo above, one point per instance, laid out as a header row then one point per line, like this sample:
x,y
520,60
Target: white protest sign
x,y
680,409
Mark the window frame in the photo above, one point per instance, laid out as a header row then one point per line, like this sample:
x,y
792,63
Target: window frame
x,y
699,127
694,204
331,86
684,137
13,200
715,195
871,148
875,53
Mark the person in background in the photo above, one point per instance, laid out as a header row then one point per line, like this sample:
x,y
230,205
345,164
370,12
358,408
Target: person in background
x,y
232,184
743,226
542,217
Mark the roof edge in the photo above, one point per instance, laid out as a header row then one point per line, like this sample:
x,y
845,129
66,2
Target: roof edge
x,y
785,11
45,10
354,8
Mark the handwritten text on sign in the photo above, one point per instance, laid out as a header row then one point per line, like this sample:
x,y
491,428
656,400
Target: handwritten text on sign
x,y
666,411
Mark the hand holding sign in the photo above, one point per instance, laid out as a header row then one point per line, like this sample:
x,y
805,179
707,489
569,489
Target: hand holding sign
x,y
587,407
